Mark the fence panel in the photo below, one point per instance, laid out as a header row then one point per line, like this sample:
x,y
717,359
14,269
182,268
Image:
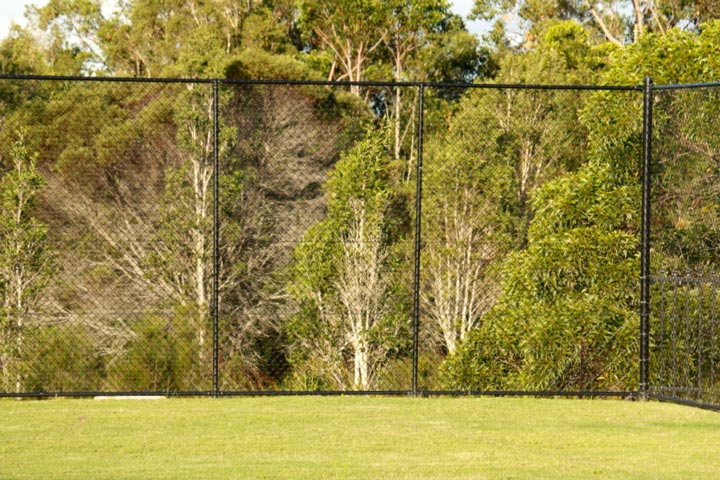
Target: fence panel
x,y
526,286
685,232
111,238
316,239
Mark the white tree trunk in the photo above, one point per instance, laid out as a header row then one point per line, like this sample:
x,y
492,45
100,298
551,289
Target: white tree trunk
x,y
459,293
361,379
362,290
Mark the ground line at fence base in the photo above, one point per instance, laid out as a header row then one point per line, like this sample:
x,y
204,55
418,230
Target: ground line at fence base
x,y
333,393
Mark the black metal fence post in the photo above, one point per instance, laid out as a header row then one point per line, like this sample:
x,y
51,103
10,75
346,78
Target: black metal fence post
x,y
418,238
645,240
216,238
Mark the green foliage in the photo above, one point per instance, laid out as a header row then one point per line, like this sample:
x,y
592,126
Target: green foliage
x,y
362,174
516,139
253,63
685,225
567,313
399,39
162,356
486,360
352,31
570,39
679,56
271,26
22,53
565,309
458,57
426,41
567,316
25,263
89,151
618,21
590,198
61,358
354,244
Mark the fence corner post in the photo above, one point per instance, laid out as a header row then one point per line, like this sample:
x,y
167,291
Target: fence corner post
x,y
645,240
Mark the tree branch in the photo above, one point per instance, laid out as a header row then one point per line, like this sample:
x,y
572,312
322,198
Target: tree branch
x,y
601,23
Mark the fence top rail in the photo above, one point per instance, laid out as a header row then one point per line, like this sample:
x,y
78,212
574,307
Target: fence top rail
x,y
687,86
240,81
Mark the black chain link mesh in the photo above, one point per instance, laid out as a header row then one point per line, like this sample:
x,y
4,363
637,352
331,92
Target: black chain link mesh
x,y
508,303
686,245
109,250
315,277
113,249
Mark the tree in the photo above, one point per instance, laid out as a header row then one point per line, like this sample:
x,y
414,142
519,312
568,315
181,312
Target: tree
x,y
413,27
467,221
497,149
169,37
178,263
567,315
362,289
343,283
185,229
21,53
71,26
467,233
609,19
134,192
685,173
403,40
288,140
25,261
538,133
353,31
48,45
566,318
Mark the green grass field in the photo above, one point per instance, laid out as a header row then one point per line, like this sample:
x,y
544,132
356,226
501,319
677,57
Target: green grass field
x,y
356,437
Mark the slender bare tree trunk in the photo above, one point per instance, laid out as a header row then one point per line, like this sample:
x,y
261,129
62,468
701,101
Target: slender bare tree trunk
x,y
19,326
362,289
202,171
362,364
639,27
398,106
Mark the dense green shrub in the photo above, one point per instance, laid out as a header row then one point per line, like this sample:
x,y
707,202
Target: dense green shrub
x,y
163,356
61,359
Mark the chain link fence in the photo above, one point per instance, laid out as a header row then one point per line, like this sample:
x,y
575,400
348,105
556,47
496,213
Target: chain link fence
x,y
217,237
686,244
520,293
112,228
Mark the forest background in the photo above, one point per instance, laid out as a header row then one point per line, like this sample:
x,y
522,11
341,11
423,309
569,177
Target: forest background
x,y
531,198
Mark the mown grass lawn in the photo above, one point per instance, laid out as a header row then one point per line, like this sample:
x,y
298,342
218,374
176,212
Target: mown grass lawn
x,y
356,437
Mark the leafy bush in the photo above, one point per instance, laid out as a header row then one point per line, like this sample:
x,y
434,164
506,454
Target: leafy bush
x,y
567,317
61,359
164,356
